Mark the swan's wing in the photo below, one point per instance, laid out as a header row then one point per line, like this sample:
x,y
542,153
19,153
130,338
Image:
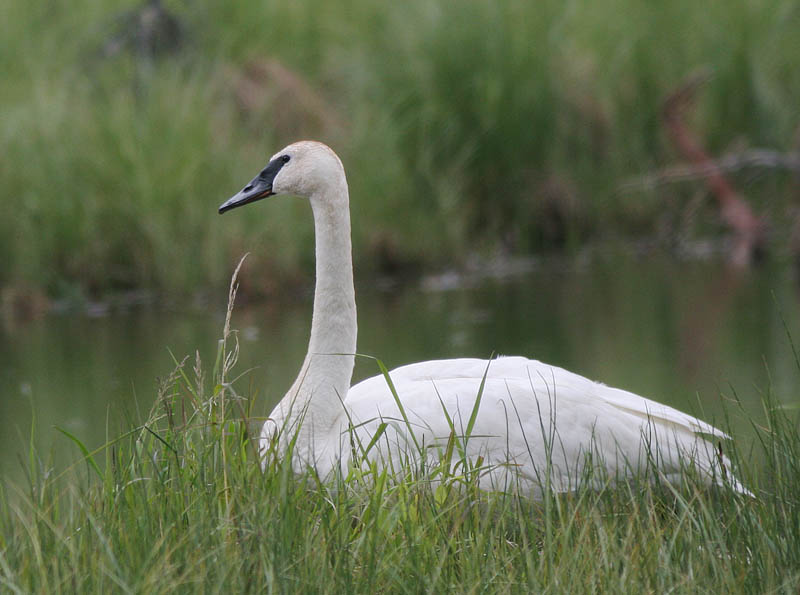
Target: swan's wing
x,y
541,379
531,414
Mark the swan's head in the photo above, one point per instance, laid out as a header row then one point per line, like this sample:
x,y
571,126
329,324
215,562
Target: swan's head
x,y
305,168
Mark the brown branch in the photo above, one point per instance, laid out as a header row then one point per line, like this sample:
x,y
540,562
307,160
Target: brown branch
x,y
748,229
752,158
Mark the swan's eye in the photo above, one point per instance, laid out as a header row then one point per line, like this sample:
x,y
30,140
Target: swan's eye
x,y
285,158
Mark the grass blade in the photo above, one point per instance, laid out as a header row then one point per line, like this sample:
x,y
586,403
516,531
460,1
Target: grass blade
x,y
86,454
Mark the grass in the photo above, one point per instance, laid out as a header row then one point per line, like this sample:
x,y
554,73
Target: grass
x,y
488,126
179,503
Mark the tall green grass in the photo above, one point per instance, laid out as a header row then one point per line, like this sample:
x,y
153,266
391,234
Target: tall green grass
x,y
463,127
179,503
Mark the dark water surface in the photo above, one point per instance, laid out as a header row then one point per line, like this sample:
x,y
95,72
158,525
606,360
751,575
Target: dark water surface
x,y
681,333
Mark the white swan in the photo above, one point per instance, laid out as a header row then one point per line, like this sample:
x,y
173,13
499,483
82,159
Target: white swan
x,y
535,424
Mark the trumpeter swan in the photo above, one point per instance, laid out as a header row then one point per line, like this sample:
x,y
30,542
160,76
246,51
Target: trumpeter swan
x,y
534,425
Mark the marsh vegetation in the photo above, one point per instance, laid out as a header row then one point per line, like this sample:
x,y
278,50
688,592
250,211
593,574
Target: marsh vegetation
x,y
469,129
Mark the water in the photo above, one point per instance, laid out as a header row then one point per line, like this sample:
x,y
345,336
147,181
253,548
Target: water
x,y
681,333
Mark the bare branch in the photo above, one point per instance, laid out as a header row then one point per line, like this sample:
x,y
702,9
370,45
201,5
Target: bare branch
x,y
747,228
733,162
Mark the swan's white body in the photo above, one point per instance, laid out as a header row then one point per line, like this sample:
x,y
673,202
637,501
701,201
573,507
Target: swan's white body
x,y
535,424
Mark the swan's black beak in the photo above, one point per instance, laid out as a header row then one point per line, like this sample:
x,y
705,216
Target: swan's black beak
x,y
255,190
258,188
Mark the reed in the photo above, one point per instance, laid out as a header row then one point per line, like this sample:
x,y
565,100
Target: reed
x,y
465,128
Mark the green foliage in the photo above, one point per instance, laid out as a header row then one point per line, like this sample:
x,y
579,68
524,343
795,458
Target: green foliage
x,y
463,126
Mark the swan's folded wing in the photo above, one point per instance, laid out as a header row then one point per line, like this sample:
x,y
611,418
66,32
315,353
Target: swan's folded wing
x,y
544,380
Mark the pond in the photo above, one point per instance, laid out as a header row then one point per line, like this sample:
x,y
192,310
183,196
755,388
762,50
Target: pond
x,y
684,333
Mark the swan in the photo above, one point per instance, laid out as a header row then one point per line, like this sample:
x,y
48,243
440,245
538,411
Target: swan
x,y
525,425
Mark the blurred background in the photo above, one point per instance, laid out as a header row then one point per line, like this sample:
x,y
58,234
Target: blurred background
x,y
608,186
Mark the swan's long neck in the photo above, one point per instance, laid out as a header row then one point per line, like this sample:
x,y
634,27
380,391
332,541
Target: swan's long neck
x,y
315,399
